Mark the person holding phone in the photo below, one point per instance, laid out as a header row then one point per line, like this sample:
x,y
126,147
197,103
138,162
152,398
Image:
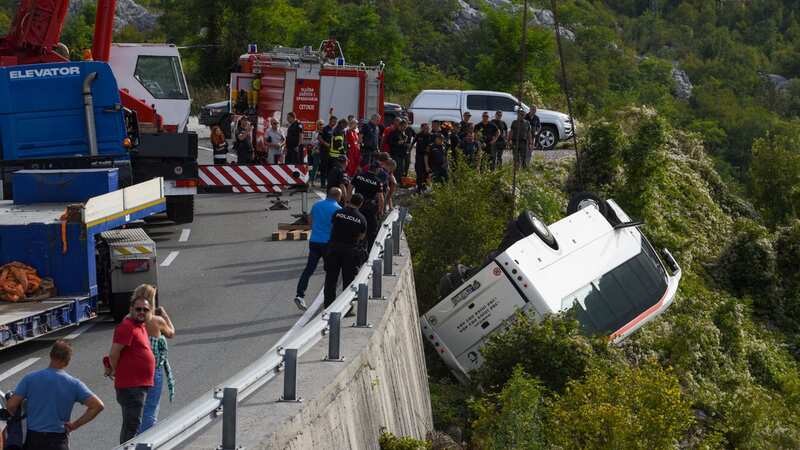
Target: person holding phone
x,y
159,329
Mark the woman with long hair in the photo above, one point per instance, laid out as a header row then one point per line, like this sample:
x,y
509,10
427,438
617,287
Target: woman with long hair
x,y
219,145
159,328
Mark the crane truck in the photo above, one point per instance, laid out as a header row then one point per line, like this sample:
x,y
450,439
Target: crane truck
x,y
153,95
74,177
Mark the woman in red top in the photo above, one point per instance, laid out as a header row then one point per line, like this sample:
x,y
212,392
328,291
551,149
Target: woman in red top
x,y
353,149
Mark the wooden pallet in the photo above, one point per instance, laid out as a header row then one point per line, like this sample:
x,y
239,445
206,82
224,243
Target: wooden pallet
x,y
290,235
293,227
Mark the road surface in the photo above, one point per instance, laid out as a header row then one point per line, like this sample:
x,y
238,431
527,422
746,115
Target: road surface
x,y
228,289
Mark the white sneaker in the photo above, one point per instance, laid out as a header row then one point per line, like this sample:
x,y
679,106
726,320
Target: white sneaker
x,y
301,303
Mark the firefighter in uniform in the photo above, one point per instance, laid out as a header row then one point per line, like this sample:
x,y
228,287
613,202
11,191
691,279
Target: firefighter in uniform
x,y
349,228
369,185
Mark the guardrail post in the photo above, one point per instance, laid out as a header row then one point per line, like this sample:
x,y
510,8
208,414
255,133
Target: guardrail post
x,y
396,237
334,337
229,398
388,252
290,376
361,312
377,280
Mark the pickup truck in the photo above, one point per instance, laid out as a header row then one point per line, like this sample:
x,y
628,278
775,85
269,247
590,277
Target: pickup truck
x,y
595,260
448,105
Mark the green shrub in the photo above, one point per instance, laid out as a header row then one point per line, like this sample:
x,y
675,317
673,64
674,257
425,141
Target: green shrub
x,y
512,419
389,441
748,262
553,350
636,408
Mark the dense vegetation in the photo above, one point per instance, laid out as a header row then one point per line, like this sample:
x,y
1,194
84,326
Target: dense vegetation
x,y
718,369
716,178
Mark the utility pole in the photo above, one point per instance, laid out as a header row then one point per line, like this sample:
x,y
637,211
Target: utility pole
x,y
523,64
565,85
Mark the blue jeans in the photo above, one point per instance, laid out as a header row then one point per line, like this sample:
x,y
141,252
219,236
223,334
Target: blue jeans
x,y
316,250
150,413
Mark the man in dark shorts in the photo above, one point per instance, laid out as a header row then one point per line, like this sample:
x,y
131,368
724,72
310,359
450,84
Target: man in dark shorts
x,y
487,133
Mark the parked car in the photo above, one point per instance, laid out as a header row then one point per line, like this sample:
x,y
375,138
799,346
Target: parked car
x,y
448,105
595,260
217,114
391,111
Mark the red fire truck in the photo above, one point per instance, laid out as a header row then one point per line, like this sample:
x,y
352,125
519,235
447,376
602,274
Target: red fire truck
x,y
314,84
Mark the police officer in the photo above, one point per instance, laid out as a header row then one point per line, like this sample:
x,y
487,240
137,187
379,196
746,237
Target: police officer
x,y
337,178
370,186
349,228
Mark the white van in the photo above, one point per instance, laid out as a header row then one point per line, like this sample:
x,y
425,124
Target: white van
x,y
595,260
446,105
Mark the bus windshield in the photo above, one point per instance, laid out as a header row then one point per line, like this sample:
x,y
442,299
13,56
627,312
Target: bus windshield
x,y
619,296
161,76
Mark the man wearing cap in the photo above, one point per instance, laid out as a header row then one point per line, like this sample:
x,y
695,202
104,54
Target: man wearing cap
x,y
369,185
488,134
465,125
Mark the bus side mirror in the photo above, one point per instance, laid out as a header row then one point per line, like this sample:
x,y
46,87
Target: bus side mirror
x,y
670,260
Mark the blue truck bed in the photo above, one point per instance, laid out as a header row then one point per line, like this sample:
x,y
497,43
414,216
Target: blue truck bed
x,y
32,234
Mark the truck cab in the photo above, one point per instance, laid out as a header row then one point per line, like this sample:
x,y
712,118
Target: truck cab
x,y
153,73
595,260
45,121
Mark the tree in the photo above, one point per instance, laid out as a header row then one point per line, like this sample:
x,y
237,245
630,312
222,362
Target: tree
x,y
775,177
636,408
512,419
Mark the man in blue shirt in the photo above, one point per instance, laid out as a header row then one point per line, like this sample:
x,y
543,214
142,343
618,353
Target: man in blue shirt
x,y
321,222
51,393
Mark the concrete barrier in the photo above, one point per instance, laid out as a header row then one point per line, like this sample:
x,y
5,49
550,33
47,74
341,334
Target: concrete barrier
x,y
380,386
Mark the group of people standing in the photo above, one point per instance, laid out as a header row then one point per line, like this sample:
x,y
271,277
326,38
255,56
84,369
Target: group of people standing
x,y
277,147
137,362
344,225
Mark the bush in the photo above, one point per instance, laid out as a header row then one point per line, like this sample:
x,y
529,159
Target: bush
x,y
749,261
512,419
637,408
389,441
460,223
553,350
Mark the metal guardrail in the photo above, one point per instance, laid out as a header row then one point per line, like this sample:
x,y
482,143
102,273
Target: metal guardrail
x,y
222,401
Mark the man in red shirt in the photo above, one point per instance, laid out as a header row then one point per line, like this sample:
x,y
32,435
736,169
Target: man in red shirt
x,y
132,365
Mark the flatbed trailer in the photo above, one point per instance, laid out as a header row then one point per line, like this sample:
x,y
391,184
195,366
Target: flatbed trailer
x,y
65,250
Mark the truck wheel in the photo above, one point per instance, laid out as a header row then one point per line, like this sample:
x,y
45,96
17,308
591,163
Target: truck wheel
x,y
120,306
453,279
548,137
529,224
585,199
180,208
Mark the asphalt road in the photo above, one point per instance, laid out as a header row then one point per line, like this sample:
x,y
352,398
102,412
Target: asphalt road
x,y
228,289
